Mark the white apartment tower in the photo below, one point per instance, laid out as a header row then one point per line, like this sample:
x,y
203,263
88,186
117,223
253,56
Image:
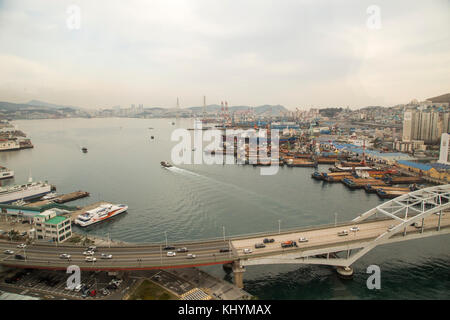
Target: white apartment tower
x,y
444,154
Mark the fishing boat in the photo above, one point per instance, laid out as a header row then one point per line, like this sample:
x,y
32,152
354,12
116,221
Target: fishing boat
x,y
166,164
84,149
101,213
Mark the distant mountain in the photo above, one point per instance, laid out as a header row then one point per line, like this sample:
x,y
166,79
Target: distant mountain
x,y
441,98
37,103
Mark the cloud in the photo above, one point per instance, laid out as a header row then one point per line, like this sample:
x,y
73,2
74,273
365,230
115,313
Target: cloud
x,y
296,53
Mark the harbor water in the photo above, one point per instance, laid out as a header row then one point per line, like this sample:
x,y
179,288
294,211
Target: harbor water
x,y
190,202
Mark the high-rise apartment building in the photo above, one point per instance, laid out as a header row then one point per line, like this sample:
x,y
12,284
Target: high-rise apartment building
x,y
424,125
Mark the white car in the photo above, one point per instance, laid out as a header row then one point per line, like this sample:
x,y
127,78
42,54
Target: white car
x,y
88,253
78,287
343,233
8,252
171,254
106,256
247,251
64,256
303,240
354,229
190,256
90,259
21,246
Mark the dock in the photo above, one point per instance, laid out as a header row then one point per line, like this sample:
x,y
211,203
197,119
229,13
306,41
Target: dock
x,y
60,199
71,196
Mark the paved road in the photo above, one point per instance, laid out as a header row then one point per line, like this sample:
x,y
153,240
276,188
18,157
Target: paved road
x,y
140,257
329,236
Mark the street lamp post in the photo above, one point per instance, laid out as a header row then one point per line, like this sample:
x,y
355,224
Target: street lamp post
x,y
223,227
279,226
335,219
165,233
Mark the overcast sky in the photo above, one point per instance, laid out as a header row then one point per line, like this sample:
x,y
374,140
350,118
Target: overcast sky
x,y
248,52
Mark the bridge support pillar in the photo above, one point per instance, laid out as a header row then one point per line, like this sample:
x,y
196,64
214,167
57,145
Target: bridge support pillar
x,y
345,272
238,273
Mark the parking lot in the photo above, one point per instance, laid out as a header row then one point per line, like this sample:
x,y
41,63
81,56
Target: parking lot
x,y
53,284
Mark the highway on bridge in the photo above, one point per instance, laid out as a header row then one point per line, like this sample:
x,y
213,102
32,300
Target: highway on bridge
x,y
153,256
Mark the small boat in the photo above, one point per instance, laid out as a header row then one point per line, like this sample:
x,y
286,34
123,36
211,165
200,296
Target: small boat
x,y
84,149
166,164
49,196
152,137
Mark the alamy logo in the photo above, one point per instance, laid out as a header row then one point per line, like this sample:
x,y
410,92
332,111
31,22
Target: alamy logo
x,y
374,281
73,21
75,277
374,19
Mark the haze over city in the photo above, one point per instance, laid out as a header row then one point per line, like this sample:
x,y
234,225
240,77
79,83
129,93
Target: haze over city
x,y
294,53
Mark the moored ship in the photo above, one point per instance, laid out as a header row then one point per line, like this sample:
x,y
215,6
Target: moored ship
x,y
101,213
5,173
27,191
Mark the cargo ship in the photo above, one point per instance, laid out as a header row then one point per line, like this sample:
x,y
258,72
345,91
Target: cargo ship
x,y
5,173
101,213
27,191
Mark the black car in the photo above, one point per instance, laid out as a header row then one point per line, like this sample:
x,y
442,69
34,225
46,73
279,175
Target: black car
x,y
224,250
267,240
20,257
169,248
184,249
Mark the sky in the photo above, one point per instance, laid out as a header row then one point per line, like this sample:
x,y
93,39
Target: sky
x,y
297,53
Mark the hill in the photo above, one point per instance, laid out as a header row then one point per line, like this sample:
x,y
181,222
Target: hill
x,y
441,98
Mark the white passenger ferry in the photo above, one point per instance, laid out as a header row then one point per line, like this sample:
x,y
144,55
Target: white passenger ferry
x,y
27,191
101,213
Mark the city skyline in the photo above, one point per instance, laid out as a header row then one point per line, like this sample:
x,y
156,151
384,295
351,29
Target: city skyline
x,y
294,54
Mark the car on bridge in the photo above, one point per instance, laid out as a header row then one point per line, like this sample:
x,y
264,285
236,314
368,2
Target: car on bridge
x,y
21,246
90,259
288,244
260,245
247,250
92,248
191,256
64,256
267,240
169,248
184,249
20,257
354,229
303,239
171,254
342,233
224,250
8,252
106,256
89,253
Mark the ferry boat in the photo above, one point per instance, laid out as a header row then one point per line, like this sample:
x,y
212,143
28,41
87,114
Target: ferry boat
x,y
25,191
5,173
101,213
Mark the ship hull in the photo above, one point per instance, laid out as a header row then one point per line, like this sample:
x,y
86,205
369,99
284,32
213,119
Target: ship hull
x,y
25,194
94,221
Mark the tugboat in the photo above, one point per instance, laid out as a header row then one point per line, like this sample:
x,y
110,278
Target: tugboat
x,y
84,149
166,164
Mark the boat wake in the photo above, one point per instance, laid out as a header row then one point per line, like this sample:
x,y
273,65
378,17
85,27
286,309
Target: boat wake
x,y
276,207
